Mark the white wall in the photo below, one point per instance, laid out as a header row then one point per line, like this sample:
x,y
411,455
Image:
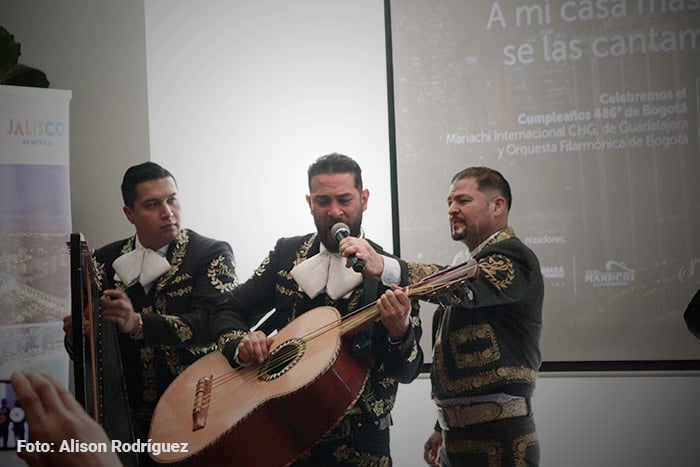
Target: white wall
x,y
242,97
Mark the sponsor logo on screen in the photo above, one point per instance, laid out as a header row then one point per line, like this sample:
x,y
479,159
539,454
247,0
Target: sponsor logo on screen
x,y
616,274
553,272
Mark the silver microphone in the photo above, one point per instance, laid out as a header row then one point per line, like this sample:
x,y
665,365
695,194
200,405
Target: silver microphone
x,y
339,232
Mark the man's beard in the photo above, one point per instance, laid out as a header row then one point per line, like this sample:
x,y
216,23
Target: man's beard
x,y
327,239
458,234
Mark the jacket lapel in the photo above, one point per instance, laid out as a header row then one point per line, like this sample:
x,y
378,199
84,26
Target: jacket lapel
x,y
175,256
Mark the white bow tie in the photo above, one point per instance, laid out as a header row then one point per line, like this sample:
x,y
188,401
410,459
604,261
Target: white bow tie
x,y
327,271
142,264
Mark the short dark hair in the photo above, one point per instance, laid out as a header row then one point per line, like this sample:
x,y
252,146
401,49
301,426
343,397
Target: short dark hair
x,y
138,174
336,163
487,178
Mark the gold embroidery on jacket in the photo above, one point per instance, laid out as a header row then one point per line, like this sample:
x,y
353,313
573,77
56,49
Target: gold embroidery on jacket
x,y
180,278
221,277
303,251
491,448
498,269
201,351
471,333
349,455
160,305
148,372
387,382
486,378
285,275
302,255
179,292
414,353
183,331
355,299
179,252
228,337
504,234
419,271
128,246
99,269
378,407
282,290
172,359
520,445
263,266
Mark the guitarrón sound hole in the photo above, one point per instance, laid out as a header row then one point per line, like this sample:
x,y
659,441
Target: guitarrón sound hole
x,y
281,359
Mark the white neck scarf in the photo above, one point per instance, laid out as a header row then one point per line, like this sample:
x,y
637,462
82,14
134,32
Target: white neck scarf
x,y
142,264
461,257
326,271
465,255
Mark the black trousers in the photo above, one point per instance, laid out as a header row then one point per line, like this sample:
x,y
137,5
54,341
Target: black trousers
x,y
509,442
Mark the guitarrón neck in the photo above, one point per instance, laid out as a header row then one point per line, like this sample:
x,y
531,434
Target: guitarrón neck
x,y
369,313
453,275
359,318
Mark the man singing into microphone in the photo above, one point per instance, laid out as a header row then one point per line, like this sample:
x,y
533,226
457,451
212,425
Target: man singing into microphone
x,y
312,270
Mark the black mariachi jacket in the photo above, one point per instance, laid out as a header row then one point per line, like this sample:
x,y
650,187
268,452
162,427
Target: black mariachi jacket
x,y
178,312
490,342
272,287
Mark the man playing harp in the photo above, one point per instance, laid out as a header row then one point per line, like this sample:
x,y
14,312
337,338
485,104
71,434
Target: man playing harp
x,y
162,288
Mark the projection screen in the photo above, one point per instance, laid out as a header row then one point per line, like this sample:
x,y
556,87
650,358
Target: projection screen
x,y
590,110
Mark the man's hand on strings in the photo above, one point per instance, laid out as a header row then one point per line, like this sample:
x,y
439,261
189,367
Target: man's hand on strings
x,y
394,310
117,308
68,327
255,346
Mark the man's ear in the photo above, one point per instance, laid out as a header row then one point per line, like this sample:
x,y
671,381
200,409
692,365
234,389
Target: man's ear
x,y
499,205
128,213
308,200
364,196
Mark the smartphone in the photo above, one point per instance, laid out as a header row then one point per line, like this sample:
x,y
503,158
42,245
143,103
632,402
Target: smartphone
x,y
13,424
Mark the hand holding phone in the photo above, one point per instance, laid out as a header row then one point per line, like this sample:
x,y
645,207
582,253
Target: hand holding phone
x,y
54,417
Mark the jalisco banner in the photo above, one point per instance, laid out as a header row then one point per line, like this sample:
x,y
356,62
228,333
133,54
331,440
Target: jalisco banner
x,y
35,222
